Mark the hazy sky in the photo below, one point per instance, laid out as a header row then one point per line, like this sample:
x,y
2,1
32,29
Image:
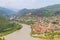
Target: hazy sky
x,y
19,4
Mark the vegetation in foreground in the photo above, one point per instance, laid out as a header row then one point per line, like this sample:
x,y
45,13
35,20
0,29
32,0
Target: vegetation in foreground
x,y
47,35
2,38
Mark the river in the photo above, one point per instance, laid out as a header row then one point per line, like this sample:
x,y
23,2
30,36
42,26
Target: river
x,y
22,34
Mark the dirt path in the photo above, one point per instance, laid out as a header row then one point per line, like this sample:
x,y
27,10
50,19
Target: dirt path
x,y
23,34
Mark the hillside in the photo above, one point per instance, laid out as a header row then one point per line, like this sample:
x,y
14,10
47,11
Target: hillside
x,y
29,16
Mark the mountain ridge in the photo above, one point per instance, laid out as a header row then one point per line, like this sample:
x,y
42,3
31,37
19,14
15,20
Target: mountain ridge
x,y
52,9
6,11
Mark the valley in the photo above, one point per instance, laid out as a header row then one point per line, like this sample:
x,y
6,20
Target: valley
x,y
30,24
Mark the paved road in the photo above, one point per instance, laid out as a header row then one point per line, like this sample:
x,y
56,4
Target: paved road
x,y
22,34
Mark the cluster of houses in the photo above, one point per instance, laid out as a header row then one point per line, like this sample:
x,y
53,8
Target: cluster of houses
x,y
41,28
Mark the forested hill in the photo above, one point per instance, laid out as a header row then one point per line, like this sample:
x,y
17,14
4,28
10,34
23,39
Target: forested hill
x,y
45,11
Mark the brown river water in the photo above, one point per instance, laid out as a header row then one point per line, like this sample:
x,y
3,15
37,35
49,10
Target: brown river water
x,y
22,34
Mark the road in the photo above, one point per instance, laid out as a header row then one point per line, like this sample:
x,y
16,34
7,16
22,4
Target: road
x,y
22,34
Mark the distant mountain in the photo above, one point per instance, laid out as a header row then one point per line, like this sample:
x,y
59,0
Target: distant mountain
x,y
53,7
45,11
6,12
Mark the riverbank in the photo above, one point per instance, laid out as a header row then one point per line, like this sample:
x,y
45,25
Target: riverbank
x,y
22,34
